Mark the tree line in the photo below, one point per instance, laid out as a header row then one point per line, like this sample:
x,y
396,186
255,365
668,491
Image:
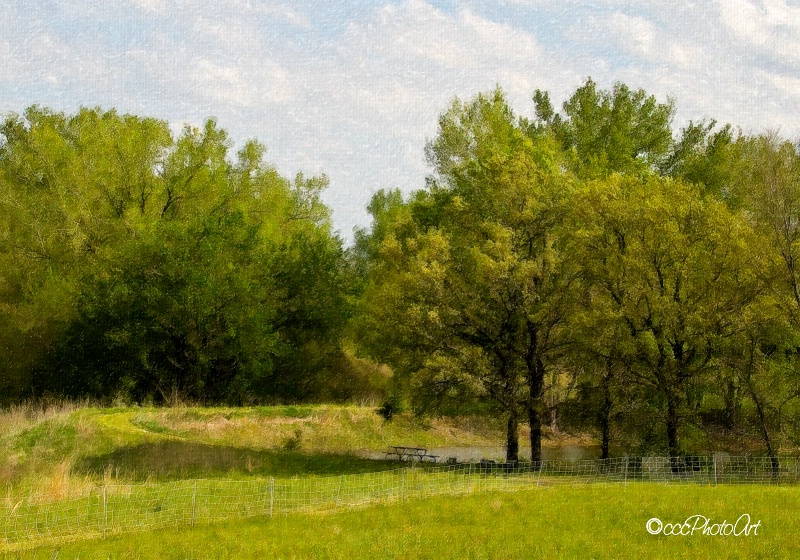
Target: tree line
x,y
591,269
587,268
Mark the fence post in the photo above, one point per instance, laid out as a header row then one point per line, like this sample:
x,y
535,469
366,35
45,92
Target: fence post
x,y
403,485
105,512
271,495
540,463
625,483
469,478
194,501
338,492
714,457
668,472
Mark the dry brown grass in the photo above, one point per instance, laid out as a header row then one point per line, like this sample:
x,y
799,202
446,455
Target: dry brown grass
x,y
37,446
19,417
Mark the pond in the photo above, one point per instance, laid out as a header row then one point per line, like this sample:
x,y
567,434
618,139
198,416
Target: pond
x,y
498,453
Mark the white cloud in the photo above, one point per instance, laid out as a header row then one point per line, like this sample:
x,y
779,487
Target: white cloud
x,y
9,61
223,84
149,5
633,33
771,25
438,55
643,40
756,23
686,56
685,52
788,85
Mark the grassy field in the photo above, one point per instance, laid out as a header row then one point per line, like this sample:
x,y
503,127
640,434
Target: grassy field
x,y
72,460
592,521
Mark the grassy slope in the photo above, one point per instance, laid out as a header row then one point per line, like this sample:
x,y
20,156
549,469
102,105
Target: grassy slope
x,y
560,522
53,451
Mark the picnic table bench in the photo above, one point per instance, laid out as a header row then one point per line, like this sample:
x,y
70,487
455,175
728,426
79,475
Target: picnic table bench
x,y
410,454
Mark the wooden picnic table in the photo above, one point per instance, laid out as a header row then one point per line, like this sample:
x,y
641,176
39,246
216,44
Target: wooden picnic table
x,y
411,453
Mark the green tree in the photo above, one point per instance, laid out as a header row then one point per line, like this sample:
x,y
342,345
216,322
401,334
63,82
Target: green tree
x,y
621,130
160,266
711,158
765,363
389,213
674,272
469,299
62,178
761,362
771,182
604,398
313,286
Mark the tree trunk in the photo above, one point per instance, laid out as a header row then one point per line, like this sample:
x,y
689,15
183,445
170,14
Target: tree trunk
x,y
672,431
535,367
605,422
535,420
512,441
731,415
762,421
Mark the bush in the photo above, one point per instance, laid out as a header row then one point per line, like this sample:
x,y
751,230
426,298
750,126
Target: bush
x,y
389,408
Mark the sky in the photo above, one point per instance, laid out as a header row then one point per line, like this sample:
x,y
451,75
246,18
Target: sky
x,y
354,89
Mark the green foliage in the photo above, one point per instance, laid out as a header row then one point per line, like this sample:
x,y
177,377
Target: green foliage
x,y
586,267
312,285
155,267
621,130
708,158
389,214
293,442
390,408
670,275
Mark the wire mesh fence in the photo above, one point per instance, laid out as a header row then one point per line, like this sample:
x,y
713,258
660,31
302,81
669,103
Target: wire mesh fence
x,y
120,508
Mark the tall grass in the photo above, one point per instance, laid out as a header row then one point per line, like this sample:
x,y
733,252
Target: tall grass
x,y
17,417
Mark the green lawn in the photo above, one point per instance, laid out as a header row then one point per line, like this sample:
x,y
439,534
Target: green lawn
x,y
594,521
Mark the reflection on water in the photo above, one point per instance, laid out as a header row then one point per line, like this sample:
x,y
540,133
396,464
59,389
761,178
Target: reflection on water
x,y
498,453
178,459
